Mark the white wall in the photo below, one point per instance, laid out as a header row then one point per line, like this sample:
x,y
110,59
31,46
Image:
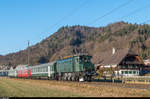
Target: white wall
x,y
124,74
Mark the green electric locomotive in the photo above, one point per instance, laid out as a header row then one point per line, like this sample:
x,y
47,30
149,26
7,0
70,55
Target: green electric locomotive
x,y
75,68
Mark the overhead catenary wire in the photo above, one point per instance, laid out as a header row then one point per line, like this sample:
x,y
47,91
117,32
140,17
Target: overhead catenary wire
x,y
135,11
111,11
73,11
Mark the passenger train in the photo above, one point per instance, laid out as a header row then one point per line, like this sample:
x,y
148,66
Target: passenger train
x,y
73,68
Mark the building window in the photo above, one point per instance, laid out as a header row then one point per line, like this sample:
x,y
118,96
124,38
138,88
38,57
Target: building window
x,y
130,66
136,66
122,72
130,72
126,72
134,72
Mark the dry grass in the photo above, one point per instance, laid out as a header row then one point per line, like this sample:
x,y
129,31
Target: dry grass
x,y
147,74
45,88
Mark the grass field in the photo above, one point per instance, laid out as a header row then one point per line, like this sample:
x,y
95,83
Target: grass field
x,y
44,88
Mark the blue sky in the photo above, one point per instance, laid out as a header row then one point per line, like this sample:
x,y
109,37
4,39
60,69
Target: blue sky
x,y
34,20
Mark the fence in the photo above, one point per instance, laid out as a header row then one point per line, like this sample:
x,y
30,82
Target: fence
x,y
136,79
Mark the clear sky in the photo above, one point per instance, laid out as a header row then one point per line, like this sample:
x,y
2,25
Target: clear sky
x,y
34,20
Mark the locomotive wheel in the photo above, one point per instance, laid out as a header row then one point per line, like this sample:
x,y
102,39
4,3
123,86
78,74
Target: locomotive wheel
x,y
69,78
73,78
85,78
64,78
59,78
77,78
89,79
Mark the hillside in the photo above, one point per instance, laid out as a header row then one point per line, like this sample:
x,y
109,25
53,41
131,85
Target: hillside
x,y
82,39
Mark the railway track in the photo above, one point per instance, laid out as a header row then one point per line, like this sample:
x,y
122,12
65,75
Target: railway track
x,y
117,84
120,85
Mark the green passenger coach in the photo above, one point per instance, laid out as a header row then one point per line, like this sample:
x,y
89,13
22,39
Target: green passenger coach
x,y
43,70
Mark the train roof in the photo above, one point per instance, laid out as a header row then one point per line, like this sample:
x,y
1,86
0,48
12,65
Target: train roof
x,y
42,65
76,55
3,70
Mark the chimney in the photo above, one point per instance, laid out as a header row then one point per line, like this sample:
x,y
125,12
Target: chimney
x,y
113,51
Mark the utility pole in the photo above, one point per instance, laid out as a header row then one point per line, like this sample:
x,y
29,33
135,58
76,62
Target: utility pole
x,y
28,53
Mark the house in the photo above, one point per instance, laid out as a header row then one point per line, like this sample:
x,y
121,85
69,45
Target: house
x,y
122,61
147,66
146,62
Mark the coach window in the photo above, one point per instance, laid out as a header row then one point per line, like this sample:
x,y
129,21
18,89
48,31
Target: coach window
x,y
43,69
39,69
46,69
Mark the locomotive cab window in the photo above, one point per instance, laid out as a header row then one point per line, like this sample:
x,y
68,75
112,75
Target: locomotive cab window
x,y
85,59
